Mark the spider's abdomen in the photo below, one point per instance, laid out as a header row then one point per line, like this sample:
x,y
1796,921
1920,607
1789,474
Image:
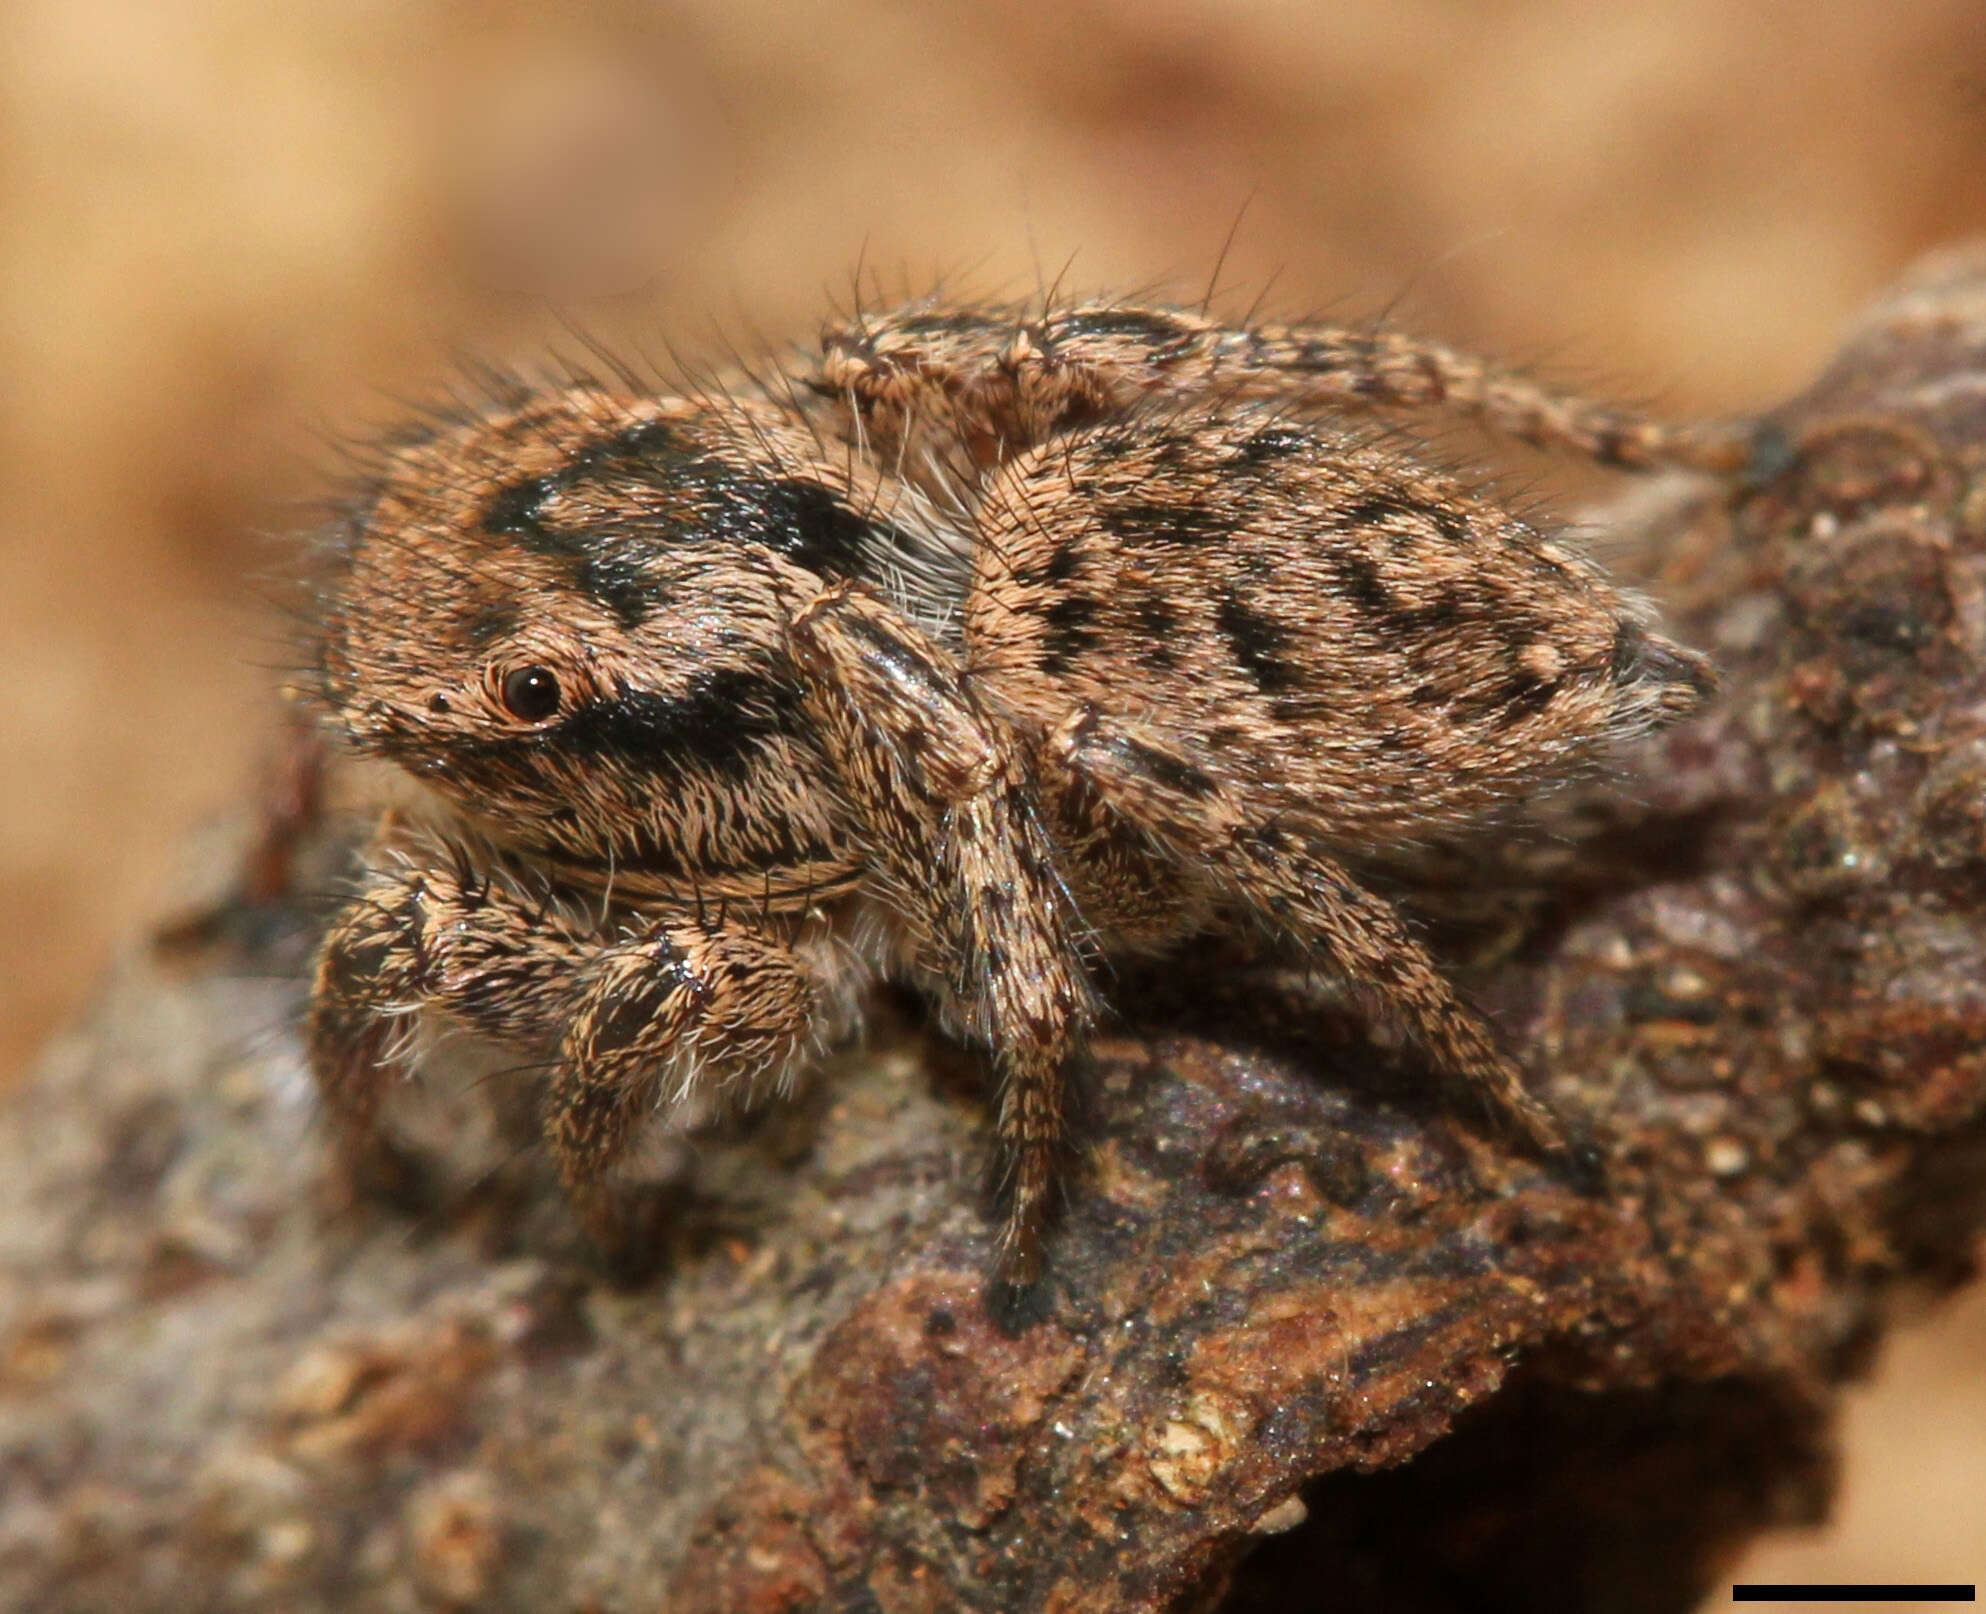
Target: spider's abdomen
x,y
1354,633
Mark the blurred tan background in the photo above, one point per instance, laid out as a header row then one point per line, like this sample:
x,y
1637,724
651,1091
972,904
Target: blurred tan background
x,y
231,233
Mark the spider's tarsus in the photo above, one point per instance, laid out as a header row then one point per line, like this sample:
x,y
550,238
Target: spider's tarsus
x,y
632,1251
1581,1164
378,1168
1016,1308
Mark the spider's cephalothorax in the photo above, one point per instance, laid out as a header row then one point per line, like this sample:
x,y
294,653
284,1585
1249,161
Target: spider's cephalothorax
x,y
990,645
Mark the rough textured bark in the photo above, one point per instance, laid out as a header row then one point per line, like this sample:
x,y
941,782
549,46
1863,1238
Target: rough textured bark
x,y
1322,1339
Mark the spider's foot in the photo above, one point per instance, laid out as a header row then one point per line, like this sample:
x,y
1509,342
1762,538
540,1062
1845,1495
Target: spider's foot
x,y
1017,1307
627,1227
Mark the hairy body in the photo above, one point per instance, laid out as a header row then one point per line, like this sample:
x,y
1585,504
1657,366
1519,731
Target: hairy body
x,y
985,647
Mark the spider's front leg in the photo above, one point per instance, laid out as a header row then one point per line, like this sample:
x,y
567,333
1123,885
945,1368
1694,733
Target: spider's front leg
x,y
418,935
675,1014
1185,806
946,801
684,1016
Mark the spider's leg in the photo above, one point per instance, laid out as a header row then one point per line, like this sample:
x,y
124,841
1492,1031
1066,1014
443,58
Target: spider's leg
x,y
684,1015
434,934
683,1012
948,807
1182,801
1002,382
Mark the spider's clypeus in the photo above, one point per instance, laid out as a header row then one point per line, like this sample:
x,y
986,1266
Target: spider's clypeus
x,y
984,646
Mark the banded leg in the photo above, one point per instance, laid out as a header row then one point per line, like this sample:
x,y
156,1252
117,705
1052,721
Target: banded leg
x,y
443,936
944,798
1003,382
679,1016
683,1018
1283,874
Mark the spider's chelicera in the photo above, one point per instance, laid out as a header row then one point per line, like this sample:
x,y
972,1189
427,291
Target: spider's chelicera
x,y
985,646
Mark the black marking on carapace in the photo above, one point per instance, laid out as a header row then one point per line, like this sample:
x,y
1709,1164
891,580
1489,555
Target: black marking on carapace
x,y
1174,450
492,621
1069,632
1452,528
719,726
1442,612
641,441
518,510
619,581
806,522
1063,562
514,512
1105,445
1258,643
1157,625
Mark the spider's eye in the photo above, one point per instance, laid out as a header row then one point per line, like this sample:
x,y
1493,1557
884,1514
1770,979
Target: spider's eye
x,y
530,694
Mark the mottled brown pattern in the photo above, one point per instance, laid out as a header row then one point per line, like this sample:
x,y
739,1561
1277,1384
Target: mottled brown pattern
x,y
997,645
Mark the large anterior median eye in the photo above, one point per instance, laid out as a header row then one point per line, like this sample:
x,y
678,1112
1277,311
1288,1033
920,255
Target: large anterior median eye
x,y
530,694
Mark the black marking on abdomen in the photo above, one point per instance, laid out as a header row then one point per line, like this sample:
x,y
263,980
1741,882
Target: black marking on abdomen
x,y
1358,580
1376,510
1068,632
1525,696
1138,523
1257,642
1171,772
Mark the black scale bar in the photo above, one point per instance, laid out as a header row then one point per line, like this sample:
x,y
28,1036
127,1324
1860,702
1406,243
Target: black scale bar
x,y
1841,1593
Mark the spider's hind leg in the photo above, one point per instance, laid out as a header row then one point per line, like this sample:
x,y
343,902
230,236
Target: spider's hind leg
x,y
1001,382
1184,805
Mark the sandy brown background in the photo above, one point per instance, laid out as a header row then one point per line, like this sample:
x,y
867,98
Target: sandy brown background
x,y
231,234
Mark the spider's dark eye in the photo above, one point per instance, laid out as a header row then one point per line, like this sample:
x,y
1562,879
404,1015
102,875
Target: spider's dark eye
x,y
530,694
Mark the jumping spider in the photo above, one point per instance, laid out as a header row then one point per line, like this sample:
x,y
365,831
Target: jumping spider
x,y
983,646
